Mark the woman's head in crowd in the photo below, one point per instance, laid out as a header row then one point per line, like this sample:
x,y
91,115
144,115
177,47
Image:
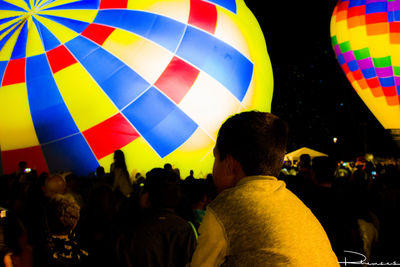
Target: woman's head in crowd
x,y
62,214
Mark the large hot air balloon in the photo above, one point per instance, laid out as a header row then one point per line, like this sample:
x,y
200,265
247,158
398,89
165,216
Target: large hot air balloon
x,y
82,78
366,39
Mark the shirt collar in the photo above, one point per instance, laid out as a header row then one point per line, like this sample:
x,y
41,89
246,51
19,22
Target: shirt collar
x,y
255,177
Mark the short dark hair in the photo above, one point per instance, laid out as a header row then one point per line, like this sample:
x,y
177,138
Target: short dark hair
x,y
164,188
305,159
257,140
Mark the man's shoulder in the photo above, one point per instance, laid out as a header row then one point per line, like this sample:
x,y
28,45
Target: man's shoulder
x,y
250,194
248,185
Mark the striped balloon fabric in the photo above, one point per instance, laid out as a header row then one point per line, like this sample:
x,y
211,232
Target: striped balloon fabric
x,y
366,39
80,79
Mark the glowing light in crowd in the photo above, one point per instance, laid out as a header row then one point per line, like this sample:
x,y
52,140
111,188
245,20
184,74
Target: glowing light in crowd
x,y
80,79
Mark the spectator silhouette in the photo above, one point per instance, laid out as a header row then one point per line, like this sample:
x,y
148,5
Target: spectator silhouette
x,y
34,217
387,209
19,251
196,196
190,178
332,206
100,172
97,226
158,237
22,165
367,221
303,178
122,184
168,166
62,248
74,188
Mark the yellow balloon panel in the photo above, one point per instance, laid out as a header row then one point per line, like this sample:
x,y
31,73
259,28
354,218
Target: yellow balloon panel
x,y
5,52
53,4
16,127
34,43
262,76
61,32
196,154
20,3
379,106
148,59
91,101
177,9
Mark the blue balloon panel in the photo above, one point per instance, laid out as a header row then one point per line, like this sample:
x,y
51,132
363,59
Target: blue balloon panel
x,y
82,4
48,39
217,59
228,4
160,121
50,115
75,25
119,82
7,6
159,29
20,46
72,154
3,65
7,36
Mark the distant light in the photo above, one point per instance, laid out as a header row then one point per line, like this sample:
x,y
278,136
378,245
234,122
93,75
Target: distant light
x,y
335,140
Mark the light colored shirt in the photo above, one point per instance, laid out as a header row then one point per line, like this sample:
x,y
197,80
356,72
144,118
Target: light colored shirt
x,y
259,222
212,243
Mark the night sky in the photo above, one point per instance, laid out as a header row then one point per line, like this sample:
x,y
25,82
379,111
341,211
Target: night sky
x,y
311,91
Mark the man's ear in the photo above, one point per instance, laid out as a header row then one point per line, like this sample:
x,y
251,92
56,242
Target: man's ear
x,y
229,164
234,168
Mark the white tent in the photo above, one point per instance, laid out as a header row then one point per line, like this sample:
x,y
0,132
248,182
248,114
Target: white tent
x,y
295,155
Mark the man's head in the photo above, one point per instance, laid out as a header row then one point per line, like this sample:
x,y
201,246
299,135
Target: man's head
x,y
163,188
323,169
305,161
249,143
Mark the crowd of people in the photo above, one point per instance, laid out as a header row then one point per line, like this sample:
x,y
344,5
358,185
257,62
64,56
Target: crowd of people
x,y
61,219
65,220
357,203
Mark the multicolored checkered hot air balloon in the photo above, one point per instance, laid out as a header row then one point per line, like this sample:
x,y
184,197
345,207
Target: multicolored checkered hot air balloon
x,y
80,79
366,39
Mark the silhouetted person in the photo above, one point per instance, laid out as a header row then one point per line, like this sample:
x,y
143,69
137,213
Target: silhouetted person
x,y
22,166
196,196
122,184
19,251
190,177
100,172
303,179
331,204
168,166
97,227
158,237
62,248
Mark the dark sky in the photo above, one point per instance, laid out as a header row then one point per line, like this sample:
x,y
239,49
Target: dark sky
x,y
311,91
